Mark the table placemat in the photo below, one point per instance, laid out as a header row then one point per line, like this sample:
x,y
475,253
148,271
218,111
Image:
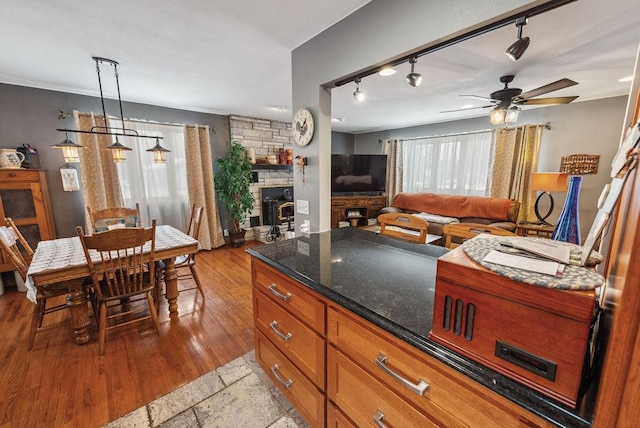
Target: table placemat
x,y
573,277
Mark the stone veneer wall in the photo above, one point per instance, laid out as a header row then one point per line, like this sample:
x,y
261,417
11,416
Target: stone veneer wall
x,y
266,137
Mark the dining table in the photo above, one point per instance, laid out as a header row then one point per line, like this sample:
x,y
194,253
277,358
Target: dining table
x,y
63,260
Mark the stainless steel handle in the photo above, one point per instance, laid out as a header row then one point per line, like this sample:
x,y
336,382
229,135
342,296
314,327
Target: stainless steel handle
x,y
274,327
378,419
285,383
285,297
419,388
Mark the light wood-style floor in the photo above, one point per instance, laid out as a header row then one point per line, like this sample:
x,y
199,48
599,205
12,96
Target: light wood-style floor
x,y
61,384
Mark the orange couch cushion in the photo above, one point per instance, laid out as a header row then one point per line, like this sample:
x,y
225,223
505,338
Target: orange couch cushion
x,y
453,205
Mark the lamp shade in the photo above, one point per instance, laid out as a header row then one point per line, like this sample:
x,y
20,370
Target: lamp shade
x,y
548,181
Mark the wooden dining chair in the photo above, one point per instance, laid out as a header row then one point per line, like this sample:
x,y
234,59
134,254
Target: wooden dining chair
x,y
457,233
9,239
404,226
123,276
102,220
185,261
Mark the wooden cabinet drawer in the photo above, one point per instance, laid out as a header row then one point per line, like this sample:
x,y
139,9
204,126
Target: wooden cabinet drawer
x,y
363,398
337,419
299,343
15,175
292,296
471,403
301,393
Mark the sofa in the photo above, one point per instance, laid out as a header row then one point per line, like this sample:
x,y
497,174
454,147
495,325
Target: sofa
x,y
440,209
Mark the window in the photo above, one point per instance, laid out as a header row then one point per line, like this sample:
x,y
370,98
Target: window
x,y
451,164
160,189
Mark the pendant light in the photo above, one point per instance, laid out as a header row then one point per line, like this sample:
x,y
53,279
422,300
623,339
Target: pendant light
x,y
117,149
414,79
69,150
517,49
158,152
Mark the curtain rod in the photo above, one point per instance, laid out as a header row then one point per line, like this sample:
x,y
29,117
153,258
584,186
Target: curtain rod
x,y
546,125
62,115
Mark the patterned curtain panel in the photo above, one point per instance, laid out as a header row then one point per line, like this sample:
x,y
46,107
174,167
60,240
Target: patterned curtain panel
x,y
98,173
516,157
200,182
393,150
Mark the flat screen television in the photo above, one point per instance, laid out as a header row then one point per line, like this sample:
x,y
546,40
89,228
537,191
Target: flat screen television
x,y
358,174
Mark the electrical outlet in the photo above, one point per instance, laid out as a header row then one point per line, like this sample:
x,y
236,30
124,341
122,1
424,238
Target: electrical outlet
x,y
302,206
225,232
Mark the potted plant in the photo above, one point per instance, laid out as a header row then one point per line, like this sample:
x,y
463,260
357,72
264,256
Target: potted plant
x,y
232,187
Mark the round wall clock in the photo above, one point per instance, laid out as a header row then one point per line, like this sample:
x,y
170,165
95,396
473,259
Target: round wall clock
x,y
302,127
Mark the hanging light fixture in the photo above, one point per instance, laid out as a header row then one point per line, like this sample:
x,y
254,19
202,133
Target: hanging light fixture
x,y
517,49
158,152
502,115
358,95
117,149
414,79
69,150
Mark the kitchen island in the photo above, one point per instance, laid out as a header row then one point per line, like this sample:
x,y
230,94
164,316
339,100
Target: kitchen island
x,y
342,326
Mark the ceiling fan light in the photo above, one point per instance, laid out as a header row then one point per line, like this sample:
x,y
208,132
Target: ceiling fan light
x,y
518,48
511,115
498,116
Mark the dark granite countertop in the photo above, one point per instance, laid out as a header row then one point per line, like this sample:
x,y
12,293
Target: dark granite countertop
x,y
391,284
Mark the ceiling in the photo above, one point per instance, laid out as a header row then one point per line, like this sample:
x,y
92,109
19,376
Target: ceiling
x,y
225,57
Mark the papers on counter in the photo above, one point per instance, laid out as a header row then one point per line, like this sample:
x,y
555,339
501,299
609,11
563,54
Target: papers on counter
x,y
547,267
546,249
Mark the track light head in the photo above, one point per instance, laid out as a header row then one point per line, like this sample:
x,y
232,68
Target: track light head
x,y
357,94
517,48
414,79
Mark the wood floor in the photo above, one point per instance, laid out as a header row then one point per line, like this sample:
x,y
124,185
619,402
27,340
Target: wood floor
x,y
61,384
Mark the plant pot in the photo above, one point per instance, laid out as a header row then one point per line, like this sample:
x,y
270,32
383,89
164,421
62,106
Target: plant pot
x,y
237,238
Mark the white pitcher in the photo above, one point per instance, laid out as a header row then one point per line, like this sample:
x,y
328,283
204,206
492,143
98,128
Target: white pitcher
x,y
10,158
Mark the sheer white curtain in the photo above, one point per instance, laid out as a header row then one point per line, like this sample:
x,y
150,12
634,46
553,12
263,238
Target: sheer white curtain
x,y
452,164
160,189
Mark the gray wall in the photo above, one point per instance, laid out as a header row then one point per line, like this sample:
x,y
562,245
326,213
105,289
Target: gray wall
x,y
29,115
591,127
342,143
374,34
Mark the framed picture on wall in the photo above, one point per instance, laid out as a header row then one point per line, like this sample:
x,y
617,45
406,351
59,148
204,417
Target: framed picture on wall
x,y
70,180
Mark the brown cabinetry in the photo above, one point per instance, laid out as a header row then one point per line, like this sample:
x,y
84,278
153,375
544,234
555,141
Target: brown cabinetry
x,y
367,207
24,196
340,370
289,322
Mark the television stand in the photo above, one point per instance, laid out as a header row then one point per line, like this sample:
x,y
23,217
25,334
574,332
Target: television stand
x,y
367,207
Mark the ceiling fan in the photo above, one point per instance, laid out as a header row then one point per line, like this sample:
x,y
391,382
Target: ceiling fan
x,y
512,97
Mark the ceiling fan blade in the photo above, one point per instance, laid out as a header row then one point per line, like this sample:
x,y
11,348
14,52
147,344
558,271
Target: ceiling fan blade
x,y
551,100
555,86
464,109
478,97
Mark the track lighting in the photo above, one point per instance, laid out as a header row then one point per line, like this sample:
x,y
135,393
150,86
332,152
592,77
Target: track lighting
x,y
414,79
357,94
517,49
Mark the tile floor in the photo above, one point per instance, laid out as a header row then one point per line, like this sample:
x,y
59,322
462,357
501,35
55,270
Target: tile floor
x,y
238,394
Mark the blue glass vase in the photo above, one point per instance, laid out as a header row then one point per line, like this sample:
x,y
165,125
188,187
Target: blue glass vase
x,y
568,226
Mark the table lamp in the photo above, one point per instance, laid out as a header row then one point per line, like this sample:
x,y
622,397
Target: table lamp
x,y
547,182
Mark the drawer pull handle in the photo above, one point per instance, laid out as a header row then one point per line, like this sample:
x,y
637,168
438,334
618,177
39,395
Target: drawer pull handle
x,y
285,383
420,388
285,297
378,419
274,327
